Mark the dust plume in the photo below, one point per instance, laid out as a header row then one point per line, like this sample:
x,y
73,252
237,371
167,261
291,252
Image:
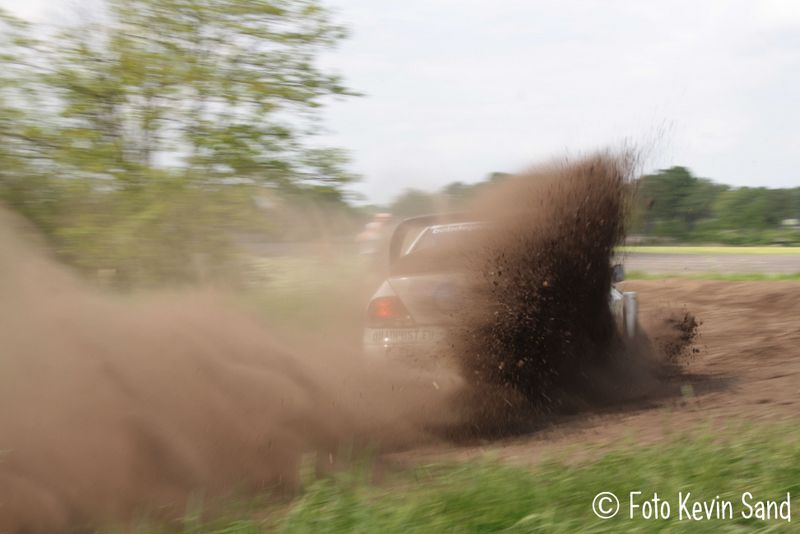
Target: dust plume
x,y
539,334
115,406
112,407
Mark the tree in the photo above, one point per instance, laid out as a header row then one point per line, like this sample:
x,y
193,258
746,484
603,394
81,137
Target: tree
x,y
162,119
750,208
22,182
220,88
673,201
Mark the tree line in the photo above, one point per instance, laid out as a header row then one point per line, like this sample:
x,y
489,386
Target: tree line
x,y
671,205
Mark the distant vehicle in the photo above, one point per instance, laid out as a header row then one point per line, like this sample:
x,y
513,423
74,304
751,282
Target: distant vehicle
x,y
410,314
369,238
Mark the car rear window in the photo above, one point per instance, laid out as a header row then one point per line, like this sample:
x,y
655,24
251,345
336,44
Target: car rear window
x,y
440,248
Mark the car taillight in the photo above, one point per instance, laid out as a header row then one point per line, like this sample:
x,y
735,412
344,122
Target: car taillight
x,y
388,311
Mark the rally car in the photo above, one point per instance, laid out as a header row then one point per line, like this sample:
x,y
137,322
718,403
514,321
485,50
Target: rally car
x,y
410,314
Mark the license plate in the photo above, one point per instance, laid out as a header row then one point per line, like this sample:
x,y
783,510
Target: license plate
x,y
391,336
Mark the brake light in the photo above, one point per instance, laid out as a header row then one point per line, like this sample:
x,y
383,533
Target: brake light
x,y
387,311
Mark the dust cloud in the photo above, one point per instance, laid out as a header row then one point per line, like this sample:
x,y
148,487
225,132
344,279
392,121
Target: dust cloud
x,y
112,407
116,406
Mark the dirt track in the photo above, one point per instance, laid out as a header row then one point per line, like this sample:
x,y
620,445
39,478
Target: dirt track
x,y
748,368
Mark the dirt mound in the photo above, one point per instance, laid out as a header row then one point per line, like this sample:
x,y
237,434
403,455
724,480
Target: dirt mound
x,y
111,407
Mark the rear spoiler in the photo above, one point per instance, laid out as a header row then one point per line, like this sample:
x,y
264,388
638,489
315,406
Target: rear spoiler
x,y
402,229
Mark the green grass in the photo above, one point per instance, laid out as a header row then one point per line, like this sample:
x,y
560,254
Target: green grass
x,y
489,495
728,277
556,496
700,249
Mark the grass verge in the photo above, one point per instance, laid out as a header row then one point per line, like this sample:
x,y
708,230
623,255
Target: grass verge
x,y
701,249
556,496
728,277
489,496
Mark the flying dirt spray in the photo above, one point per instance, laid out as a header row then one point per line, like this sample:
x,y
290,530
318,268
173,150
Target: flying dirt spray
x,y
112,407
546,269
538,335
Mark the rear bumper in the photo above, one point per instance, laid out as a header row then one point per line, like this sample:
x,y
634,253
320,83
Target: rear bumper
x,y
423,344
415,345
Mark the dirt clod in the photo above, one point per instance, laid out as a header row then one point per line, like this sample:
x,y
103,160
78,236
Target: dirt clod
x,y
678,339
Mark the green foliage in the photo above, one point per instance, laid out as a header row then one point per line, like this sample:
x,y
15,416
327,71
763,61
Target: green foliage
x,y
674,201
231,81
138,144
455,196
165,233
489,496
677,205
728,277
755,208
23,184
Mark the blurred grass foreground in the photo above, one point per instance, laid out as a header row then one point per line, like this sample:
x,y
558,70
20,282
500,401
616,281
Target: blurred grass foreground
x,y
556,496
489,494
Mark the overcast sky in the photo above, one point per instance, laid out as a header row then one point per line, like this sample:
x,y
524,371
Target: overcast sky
x,y
456,89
